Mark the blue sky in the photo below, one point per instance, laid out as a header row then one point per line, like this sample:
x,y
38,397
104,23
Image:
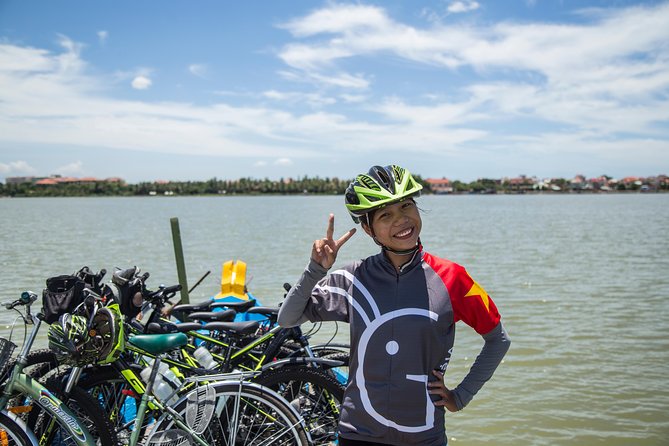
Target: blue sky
x,y
193,90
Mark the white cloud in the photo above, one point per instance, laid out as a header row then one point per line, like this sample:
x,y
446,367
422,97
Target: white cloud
x,y
548,49
588,75
291,97
353,98
342,80
17,168
141,82
463,6
284,162
260,164
339,18
198,70
102,36
71,169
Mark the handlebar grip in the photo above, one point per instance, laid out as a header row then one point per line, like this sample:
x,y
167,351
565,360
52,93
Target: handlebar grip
x,y
27,298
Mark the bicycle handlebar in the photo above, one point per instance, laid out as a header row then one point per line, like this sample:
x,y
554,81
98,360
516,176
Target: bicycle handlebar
x,y
27,298
163,293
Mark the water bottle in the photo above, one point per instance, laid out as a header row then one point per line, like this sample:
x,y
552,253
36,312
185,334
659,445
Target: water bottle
x,y
203,356
165,384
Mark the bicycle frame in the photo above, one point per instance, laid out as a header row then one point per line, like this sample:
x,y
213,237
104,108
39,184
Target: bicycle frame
x,y
18,382
148,398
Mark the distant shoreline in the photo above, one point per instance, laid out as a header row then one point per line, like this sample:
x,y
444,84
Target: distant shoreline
x,y
275,194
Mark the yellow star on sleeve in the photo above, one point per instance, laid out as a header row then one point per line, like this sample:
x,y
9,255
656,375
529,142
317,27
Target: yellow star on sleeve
x,y
477,290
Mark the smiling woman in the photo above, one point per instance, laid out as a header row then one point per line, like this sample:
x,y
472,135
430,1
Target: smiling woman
x,y
402,305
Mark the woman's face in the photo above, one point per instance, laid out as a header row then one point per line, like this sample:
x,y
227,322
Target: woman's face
x,y
397,226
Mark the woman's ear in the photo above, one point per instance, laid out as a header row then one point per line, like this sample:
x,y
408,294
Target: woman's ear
x,y
367,229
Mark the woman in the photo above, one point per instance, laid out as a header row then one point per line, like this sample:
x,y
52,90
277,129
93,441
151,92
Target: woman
x,y
402,305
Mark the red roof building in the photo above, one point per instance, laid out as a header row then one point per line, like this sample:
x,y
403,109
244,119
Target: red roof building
x,y
440,186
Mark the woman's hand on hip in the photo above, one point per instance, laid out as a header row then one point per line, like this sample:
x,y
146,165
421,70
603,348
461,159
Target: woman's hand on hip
x,y
439,388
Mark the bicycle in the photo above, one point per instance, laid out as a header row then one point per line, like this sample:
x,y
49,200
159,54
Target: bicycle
x,y
261,416
63,425
304,379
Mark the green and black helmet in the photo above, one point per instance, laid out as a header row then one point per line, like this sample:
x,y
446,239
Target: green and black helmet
x,y
74,342
379,187
68,337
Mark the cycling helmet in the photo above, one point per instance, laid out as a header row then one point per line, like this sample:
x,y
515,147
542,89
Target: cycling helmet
x,y
379,187
106,336
74,343
67,339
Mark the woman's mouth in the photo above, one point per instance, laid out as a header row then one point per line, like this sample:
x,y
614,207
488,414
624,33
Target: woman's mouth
x,y
404,234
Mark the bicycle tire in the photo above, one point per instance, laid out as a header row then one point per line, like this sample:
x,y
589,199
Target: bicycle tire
x,y
42,366
39,363
314,393
13,434
107,386
341,372
245,414
88,411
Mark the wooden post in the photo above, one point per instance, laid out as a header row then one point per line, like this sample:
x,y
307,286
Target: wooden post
x,y
179,256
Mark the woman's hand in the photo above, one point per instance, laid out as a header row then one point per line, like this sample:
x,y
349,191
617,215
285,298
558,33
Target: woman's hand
x,y
324,251
439,388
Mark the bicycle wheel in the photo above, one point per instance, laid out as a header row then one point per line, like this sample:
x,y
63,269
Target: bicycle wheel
x,y
111,390
12,433
314,393
339,372
88,411
240,413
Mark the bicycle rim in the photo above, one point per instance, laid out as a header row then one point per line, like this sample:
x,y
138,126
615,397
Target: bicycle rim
x,y
314,393
244,414
13,434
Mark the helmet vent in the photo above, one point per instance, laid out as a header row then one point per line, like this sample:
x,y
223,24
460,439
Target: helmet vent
x,y
399,173
369,182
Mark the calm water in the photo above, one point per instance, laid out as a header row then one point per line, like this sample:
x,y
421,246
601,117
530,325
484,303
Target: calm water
x,y
582,283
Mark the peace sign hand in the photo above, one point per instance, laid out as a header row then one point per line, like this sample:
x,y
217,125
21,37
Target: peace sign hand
x,y
324,251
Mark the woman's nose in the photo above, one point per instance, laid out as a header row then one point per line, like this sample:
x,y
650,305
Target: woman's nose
x,y
401,218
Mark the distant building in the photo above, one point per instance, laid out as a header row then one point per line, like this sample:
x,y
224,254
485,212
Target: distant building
x,y
19,180
519,184
47,182
57,179
440,186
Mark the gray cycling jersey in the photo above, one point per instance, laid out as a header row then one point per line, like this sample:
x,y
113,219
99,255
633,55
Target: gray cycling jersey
x,y
402,326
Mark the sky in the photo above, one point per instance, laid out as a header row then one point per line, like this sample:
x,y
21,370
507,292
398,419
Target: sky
x,y
193,90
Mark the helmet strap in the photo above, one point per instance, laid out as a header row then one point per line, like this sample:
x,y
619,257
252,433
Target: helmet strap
x,y
404,252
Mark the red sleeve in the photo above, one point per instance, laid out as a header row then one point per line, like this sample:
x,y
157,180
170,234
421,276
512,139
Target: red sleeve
x,y
471,304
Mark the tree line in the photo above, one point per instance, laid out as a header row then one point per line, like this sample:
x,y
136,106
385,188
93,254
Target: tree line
x,y
214,186
250,186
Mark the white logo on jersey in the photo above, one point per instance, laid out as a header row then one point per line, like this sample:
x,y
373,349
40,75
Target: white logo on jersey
x,y
373,323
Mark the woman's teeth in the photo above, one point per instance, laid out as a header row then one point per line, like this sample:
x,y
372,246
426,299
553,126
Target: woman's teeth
x,y
404,233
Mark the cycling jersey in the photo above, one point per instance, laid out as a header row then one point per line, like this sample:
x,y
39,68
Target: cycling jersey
x,y
402,326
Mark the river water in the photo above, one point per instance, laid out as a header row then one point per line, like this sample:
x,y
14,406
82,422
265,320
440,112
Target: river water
x,y
582,282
